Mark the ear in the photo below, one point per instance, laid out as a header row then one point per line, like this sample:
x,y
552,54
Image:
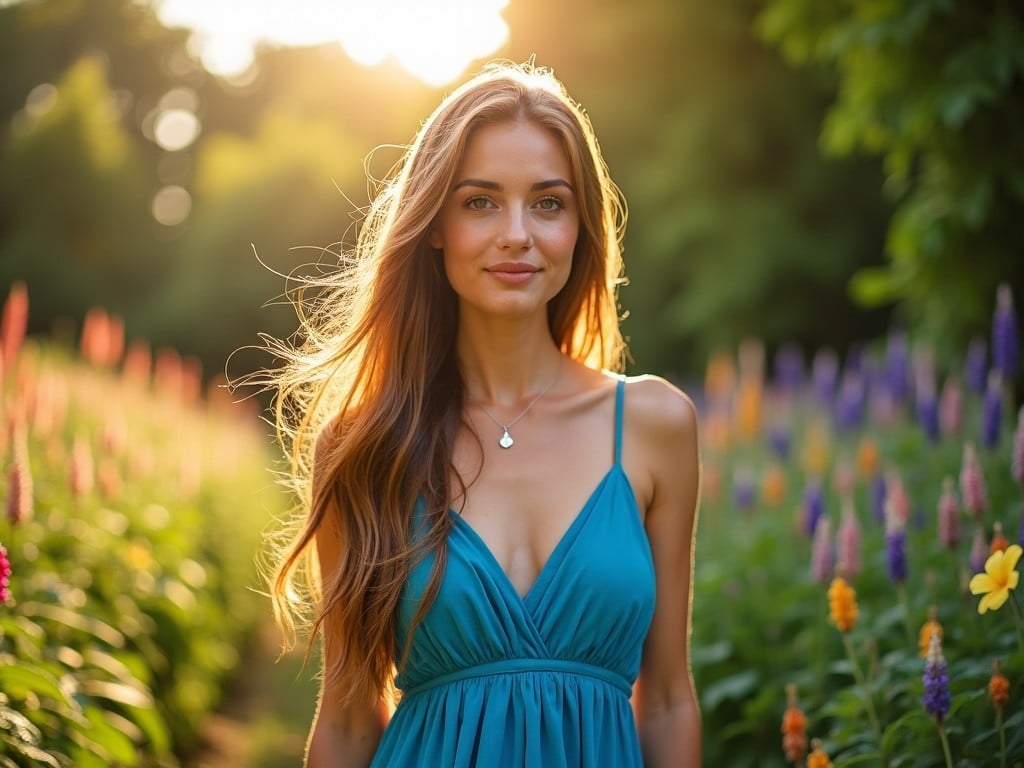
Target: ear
x,y
434,237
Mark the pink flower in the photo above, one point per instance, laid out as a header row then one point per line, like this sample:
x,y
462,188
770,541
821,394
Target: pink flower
x,y
80,471
1017,463
949,515
5,575
849,561
972,483
821,552
19,488
897,505
951,409
13,324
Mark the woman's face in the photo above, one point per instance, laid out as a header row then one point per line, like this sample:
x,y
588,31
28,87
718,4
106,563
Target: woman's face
x,y
510,221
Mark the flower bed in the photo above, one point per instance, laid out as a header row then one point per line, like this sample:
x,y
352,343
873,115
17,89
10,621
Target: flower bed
x,y
848,512
134,510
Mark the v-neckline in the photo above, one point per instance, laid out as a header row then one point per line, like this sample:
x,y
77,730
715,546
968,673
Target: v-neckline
x,y
557,552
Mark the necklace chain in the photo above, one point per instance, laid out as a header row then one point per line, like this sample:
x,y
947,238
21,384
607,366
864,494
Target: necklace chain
x,y
506,441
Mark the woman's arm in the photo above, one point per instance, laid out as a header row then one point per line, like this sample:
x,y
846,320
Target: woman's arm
x,y
341,736
668,714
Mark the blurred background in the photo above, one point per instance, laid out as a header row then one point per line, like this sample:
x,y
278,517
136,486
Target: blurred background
x,y
820,176
152,155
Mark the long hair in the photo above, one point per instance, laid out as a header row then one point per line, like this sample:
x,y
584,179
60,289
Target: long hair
x,y
369,398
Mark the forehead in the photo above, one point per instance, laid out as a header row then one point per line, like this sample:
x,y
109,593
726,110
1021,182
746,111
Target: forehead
x,y
515,148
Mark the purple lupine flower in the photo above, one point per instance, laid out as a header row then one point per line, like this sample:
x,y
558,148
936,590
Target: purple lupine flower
x,y
992,411
780,438
936,698
928,414
789,367
814,506
825,374
848,562
976,365
896,510
849,406
897,363
949,515
822,556
1017,456
951,407
743,490
1005,335
878,496
972,483
5,575
979,550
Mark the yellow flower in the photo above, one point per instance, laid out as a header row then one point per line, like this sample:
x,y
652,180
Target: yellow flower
x,y
842,603
999,578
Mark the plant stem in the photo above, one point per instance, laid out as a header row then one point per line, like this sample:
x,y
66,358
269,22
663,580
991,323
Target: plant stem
x,y
868,699
1020,624
1002,737
906,615
945,743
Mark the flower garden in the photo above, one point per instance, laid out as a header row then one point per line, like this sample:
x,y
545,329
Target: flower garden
x,y
856,595
856,598
134,506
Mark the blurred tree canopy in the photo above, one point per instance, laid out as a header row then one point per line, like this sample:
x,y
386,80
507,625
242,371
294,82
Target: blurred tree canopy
x,y
738,224
935,88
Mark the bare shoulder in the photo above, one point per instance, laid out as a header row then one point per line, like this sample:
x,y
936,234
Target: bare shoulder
x,y
659,410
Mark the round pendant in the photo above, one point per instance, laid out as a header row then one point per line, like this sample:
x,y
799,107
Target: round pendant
x,y
506,440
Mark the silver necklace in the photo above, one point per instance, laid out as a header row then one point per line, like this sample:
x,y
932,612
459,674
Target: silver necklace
x,y
506,441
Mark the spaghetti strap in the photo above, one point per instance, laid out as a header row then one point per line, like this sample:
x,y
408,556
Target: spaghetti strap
x,y
620,391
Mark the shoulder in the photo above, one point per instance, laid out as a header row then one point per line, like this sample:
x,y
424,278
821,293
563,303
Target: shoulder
x,y
659,410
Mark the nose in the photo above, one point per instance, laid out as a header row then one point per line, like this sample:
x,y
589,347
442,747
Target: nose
x,y
515,234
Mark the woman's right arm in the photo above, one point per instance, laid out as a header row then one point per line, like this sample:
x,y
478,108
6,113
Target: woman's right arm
x,y
341,736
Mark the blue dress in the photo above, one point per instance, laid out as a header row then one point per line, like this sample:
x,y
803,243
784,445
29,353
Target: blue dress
x,y
501,681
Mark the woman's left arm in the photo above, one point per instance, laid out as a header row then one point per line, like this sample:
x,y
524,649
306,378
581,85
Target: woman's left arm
x,y
668,714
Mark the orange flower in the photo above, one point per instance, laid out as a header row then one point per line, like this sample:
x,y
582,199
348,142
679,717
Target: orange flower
x,y
998,687
867,457
818,757
928,629
842,604
794,728
773,486
999,541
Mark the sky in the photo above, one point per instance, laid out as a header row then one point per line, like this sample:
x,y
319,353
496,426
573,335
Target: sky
x,y
434,40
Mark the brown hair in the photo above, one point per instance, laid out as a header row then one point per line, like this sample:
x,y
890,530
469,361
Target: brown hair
x,y
368,405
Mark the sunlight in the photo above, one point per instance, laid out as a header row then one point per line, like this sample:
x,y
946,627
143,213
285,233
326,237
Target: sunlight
x,y
434,40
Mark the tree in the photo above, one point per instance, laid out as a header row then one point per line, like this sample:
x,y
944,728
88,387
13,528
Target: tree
x,y
935,88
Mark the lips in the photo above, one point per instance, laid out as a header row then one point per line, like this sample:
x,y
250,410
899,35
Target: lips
x,y
513,267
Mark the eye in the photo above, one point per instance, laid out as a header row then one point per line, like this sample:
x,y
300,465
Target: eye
x,y
550,204
478,203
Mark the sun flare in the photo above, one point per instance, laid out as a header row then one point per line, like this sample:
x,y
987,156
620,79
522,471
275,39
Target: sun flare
x,y
434,40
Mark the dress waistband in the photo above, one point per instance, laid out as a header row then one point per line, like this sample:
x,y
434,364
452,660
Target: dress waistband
x,y
519,666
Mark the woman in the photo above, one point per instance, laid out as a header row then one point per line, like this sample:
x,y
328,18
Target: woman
x,y
487,508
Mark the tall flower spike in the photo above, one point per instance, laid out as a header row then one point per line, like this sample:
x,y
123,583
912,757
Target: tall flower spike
x,y
928,629
972,483
1005,334
19,488
936,698
822,555
999,541
976,364
5,575
896,536
814,505
949,515
842,604
998,687
794,728
951,407
979,550
848,561
818,757
999,578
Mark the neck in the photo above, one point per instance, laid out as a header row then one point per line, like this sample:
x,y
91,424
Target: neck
x,y
505,367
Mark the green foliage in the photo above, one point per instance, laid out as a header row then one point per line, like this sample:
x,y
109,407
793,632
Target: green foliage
x,y
933,88
133,575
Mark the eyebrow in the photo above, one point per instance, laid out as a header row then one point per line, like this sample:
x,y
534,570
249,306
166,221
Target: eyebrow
x,y
540,185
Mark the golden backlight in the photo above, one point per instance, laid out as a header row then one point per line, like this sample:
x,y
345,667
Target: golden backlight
x,y
434,40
